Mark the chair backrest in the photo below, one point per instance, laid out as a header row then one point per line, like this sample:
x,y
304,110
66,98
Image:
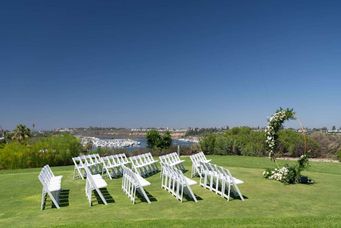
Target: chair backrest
x,y
218,170
89,177
197,158
95,158
142,159
45,176
128,173
169,158
174,174
149,157
77,161
121,158
106,161
207,166
202,156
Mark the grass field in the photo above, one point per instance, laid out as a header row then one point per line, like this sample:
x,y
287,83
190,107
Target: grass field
x,y
268,203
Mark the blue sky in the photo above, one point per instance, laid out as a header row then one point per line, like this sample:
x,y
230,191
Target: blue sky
x,y
169,64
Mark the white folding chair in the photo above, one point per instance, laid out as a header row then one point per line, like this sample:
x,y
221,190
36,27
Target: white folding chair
x,y
110,166
94,183
79,168
172,160
218,179
174,181
132,182
196,160
144,164
51,186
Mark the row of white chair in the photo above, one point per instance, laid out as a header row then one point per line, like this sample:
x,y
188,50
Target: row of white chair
x,y
175,182
212,177
196,160
219,180
92,161
51,186
132,182
144,164
172,160
112,164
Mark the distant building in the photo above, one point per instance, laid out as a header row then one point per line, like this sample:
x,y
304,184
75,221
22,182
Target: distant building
x,y
336,131
64,130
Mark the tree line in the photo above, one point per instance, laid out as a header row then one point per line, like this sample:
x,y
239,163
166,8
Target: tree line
x,y
248,142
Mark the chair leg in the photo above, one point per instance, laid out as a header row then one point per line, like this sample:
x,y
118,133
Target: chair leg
x,y
101,196
43,196
144,194
238,191
53,200
192,194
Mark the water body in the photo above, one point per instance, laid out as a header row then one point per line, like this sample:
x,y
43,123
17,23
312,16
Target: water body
x,y
143,143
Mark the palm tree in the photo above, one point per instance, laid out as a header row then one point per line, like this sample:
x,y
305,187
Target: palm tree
x,y
21,132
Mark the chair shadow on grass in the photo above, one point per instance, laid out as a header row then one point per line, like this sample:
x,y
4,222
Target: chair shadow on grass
x,y
142,199
106,196
189,198
63,199
149,174
234,195
184,171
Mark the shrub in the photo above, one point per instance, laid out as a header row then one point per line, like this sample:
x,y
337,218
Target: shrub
x,y
289,174
293,144
245,141
53,150
339,155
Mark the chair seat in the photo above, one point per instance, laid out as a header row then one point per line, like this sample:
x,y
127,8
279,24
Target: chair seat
x,y
54,186
190,181
143,182
100,182
237,181
57,178
97,176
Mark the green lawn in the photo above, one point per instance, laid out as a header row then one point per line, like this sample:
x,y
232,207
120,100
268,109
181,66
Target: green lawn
x,y
268,203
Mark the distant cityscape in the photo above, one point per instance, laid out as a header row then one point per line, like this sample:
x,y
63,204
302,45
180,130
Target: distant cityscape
x,y
177,133
111,132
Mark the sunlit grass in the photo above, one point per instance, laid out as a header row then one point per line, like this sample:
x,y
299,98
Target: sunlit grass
x,y
268,203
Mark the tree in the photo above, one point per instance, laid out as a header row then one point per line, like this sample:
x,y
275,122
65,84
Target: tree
x,y
334,128
153,139
157,141
166,141
21,133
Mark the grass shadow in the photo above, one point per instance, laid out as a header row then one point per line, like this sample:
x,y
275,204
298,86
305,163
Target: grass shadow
x,y
189,198
150,196
105,194
235,195
62,198
149,174
184,171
